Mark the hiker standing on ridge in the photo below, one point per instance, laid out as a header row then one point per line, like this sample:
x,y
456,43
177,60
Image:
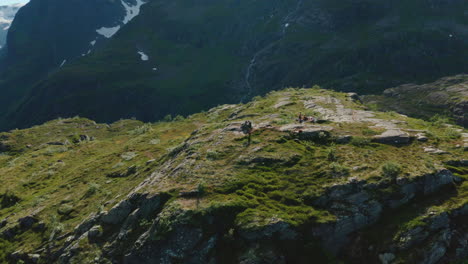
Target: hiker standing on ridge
x,y
247,128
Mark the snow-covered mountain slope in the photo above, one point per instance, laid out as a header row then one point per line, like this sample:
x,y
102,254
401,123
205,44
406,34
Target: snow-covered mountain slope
x,y
7,13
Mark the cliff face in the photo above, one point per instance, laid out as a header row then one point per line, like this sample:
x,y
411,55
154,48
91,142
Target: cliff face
x,y
7,13
179,58
46,35
354,185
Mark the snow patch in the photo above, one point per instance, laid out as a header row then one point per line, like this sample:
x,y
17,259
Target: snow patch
x,y
155,69
143,56
63,63
108,32
131,13
93,43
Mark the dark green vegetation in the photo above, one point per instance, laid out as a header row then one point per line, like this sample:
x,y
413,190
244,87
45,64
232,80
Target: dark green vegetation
x,y
43,34
447,97
192,190
213,52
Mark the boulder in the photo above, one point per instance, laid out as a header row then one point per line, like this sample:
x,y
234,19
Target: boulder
x,y
433,182
393,137
308,131
95,232
118,213
421,137
234,127
86,224
27,222
433,150
86,138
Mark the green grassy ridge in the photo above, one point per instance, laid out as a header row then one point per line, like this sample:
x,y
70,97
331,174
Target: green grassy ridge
x,y
276,176
75,174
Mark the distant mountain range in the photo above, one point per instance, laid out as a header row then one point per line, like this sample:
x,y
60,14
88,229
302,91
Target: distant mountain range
x,y
115,59
7,13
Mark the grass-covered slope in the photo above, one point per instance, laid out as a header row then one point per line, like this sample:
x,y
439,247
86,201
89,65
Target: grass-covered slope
x,y
211,52
192,190
445,97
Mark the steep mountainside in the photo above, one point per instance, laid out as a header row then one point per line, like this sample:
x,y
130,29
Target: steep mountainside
x,y
46,34
447,96
7,13
180,56
356,186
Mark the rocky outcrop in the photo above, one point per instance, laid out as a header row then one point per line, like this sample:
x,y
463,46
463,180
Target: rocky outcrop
x,y
19,256
125,216
358,204
448,95
308,131
176,234
440,238
393,137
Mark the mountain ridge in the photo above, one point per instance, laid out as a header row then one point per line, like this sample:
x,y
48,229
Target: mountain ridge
x,y
200,56
356,184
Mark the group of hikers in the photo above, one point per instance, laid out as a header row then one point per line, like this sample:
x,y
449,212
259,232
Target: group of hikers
x,y
247,127
302,118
